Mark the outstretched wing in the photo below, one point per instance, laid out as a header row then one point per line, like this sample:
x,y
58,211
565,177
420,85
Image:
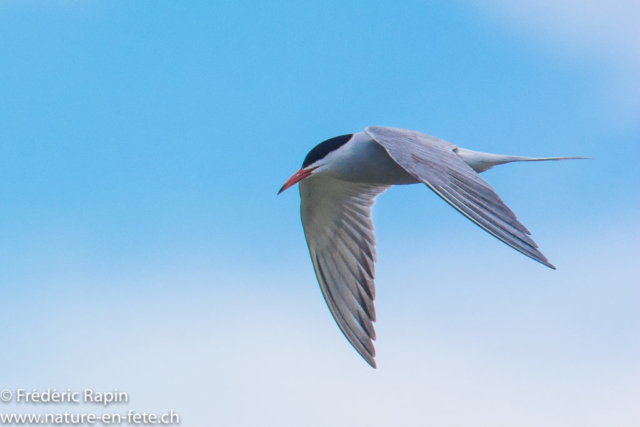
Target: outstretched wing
x,y
336,216
436,163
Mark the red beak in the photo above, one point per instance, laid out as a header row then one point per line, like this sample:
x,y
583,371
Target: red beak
x,y
296,178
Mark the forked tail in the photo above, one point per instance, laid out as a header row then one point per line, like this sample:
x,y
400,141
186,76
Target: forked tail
x,y
481,162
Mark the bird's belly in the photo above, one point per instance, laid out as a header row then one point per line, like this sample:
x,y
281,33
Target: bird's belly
x,y
366,161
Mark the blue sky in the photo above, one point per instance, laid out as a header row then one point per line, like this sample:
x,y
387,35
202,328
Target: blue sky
x,y
142,245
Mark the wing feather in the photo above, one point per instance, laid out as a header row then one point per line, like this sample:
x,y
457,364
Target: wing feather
x,y
436,163
336,216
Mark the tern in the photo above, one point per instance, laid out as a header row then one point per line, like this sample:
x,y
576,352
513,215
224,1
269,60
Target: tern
x,y
340,180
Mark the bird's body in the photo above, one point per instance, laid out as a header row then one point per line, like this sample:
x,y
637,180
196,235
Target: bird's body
x,y
339,182
365,161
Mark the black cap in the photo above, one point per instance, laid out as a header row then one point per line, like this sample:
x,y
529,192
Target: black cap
x,y
321,150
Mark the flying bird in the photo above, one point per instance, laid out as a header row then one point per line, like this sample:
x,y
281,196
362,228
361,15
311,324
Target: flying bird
x,y
340,180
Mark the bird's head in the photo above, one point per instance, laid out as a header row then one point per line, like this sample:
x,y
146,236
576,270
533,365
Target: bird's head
x,y
316,160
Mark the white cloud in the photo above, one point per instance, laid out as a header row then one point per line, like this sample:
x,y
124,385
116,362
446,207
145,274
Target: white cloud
x,y
607,32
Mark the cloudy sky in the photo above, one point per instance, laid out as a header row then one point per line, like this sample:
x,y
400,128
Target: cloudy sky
x,y
143,247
